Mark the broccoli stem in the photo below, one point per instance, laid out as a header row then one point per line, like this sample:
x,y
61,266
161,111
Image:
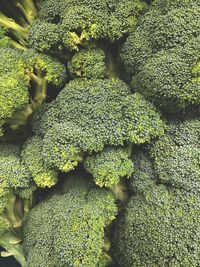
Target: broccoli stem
x,y
28,9
120,191
18,46
19,118
13,248
21,33
11,213
27,205
111,66
40,93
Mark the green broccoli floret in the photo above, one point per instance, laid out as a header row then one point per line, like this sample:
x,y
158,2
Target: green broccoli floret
x,y
24,80
71,23
16,191
160,225
33,159
5,41
74,229
88,115
88,64
176,155
161,54
108,166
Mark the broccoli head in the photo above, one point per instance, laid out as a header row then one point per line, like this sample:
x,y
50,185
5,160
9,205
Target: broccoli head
x,y
24,80
88,115
161,223
32,157
74,230
176,155
71,23
88,64
108,166
161,54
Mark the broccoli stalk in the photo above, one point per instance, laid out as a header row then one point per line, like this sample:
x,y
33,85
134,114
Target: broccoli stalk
x,y
19,32
20,117
28,8
18,24
13,216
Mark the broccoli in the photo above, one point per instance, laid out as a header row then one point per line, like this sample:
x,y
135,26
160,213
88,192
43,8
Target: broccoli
x,y
70,24
161,54
74,230
88,115
88,64
19,71
160,225
108,166
31,155
88,96
17,16
176,155
16,199
5,41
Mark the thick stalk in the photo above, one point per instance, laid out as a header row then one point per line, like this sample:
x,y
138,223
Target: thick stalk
x,y
21,33
28,9
120,191
28,204
19,118
11,212
18,46
13,248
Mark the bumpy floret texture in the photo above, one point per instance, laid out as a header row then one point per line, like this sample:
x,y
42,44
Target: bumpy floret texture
x,y
18,71
73,233
161,54
12,171
160,225
32,157
71,23
5,41
87,115
176,155
13,82
88,64
108,166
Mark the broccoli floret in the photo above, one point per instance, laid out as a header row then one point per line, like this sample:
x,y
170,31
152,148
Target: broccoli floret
x,y
5,41
108,166
33,159
160,225
88,64
16,193
161,54
73,233
88,115
81,23
20,73
176,155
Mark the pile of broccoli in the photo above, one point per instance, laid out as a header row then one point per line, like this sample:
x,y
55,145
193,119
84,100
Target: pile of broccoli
x,y
100,133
